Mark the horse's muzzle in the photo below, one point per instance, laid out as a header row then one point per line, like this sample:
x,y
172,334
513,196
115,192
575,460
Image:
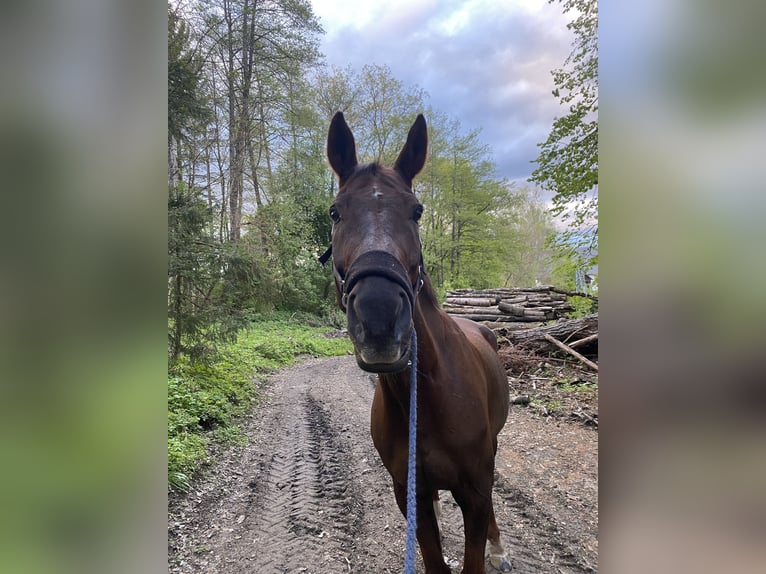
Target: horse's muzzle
x,y
394,367
379,324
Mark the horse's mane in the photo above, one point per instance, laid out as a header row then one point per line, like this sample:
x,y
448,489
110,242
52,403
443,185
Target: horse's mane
x,y
427,291
368,168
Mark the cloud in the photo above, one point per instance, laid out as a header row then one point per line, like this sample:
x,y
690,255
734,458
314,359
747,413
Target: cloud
x,y
485,63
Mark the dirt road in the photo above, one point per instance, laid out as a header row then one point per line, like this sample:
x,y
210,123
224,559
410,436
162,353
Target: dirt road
x,y
308,493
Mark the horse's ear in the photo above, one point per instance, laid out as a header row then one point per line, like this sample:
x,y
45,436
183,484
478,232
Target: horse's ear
x,y
412,158
341,149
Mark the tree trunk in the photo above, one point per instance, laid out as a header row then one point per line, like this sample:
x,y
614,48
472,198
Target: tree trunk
x,y
172,165
175,345
234,179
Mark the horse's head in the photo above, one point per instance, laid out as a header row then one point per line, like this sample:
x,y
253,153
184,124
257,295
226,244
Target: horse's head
x,y
375,245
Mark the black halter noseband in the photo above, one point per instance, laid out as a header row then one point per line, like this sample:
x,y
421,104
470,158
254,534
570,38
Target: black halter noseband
x,y
379,264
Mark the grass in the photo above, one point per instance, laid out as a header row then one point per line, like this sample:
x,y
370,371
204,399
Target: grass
x,y
206,399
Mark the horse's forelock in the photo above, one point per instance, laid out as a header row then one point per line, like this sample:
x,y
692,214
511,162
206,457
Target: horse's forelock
x,y
388,175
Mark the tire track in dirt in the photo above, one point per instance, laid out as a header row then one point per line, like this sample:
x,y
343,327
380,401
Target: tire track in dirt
x,y
540,548
308,494
293,500
530,536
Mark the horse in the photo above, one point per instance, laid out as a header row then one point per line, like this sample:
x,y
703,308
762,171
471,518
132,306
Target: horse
x,y
463,396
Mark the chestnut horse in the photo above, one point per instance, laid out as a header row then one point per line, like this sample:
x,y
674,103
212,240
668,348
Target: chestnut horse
x,y
462,389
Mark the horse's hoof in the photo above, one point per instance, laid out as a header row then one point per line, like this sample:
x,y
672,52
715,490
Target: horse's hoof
x,y
500,563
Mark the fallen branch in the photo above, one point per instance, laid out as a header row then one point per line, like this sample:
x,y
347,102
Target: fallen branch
x,y
571,351
583,341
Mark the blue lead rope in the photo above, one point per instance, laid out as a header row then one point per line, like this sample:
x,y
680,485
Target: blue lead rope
x,y
409,553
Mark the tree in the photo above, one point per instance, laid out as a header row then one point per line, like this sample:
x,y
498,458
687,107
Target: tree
x,y
256,52
386,108
568,160
294,225
188,250
466,227
187,104
531,260
253,53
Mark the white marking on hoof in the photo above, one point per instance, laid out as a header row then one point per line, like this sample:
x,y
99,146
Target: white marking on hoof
x,y
500,563
498,557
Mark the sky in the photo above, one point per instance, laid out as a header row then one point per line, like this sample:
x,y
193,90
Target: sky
x,y
485,63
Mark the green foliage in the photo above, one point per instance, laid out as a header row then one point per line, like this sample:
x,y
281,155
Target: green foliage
x,y
467,226
205,398
187,105
564,269
531,258
186,452
563,276
294,228
568,160
582,306
211,285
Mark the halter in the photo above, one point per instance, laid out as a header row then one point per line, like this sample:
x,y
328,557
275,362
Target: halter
x,y
375,264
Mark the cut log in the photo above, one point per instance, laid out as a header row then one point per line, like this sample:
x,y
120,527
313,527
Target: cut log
x,y
505,325
533,340
460,310
537,315
496,318
520,304
472,301
511,309
573,293
499,318
513,299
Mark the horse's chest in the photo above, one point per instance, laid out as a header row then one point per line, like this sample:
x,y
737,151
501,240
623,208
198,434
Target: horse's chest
x,y
439,466
438,462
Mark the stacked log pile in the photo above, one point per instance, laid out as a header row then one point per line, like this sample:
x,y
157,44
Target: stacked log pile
x,y
518,315
508,305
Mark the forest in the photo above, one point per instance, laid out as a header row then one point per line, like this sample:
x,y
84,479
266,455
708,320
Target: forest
x,y
249,102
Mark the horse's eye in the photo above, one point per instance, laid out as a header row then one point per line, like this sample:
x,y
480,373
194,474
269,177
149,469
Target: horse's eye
x,y
418,212
334,213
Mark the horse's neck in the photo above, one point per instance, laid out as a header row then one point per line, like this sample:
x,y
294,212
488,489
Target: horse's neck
x,y
428,322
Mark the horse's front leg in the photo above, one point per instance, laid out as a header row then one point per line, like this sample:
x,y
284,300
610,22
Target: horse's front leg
x,y
428,530
498,557
476,509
